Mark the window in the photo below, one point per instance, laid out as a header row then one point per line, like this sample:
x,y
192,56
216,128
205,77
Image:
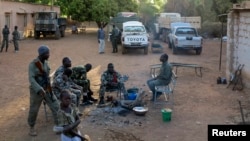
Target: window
x,y
25,20
7,20
134,29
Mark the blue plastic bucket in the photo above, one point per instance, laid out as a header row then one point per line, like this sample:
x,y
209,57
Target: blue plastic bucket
x,y
132,96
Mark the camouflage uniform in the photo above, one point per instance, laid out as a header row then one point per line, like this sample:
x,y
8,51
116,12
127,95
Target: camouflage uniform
x,y
16,37
5,42
60,70
35,99
59,84
114,38
79,76
107,78
65,119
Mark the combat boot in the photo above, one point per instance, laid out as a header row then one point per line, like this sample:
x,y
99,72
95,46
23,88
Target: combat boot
x,y
32,132
86,101
101,101
90,97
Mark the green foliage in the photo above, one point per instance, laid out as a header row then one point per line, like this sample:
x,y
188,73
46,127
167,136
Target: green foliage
x,y
102,10
213,29
76,9
127,6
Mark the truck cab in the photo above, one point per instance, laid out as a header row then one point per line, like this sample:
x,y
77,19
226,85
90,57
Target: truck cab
x,y
134,36
49,23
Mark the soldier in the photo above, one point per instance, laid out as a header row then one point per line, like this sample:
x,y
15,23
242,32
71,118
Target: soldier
x,y
110,80
68,120
79,76
63,81
16,37
163,78
39,80
5,42
114,38
66,63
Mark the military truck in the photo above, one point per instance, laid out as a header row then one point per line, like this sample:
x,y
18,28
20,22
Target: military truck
x,y
49,23
120,18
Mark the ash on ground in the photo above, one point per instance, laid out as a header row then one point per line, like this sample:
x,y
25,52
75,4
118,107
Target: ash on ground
x,y
113,117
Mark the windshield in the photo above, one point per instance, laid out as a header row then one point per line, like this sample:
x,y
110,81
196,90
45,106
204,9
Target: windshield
x,y
45,16
134,29
185,32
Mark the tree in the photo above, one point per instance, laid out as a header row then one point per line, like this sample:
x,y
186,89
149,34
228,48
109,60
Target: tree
x,y
101,11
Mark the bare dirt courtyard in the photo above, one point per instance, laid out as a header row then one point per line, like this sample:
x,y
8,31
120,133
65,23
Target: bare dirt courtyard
x,y
198,101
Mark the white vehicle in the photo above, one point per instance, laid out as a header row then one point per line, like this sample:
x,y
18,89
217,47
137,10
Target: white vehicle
x,y
184,36
134,36
164,20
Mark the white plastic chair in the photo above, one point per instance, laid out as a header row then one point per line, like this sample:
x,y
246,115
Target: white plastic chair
x,y
167,91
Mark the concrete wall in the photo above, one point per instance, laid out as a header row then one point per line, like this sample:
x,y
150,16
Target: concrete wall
x,y
238,44
20,14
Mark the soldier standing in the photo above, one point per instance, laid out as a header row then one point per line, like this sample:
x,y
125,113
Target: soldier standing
x,y
39,80
16,37
5,42
114,37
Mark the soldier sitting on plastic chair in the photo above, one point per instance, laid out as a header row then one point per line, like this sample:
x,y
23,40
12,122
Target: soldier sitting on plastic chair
x,y
164,77
111,80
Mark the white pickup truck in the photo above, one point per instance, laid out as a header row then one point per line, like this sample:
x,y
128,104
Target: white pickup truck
x,y
134,36
184,36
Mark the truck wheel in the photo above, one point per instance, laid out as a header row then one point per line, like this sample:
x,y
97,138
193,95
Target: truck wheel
x,y
44,35
164,35
37,35
174,49
62,30
156,36
123,50
146,50
57,34
198,51
169,45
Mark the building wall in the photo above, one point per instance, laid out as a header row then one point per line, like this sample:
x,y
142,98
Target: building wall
x,y
21,14
238,45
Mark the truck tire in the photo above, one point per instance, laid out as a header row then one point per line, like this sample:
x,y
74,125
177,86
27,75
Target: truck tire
x,y
169,45
44,35
164,35
146,50
37,35
198,51
57,34
123,50
62,30
174,49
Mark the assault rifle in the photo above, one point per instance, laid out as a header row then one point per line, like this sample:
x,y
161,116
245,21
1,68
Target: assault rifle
x,y
45,83
73,133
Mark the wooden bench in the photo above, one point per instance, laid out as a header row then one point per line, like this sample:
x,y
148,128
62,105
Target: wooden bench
x,y
198,68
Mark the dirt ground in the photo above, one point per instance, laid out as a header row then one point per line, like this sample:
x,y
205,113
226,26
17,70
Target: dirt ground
x,y
198,101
